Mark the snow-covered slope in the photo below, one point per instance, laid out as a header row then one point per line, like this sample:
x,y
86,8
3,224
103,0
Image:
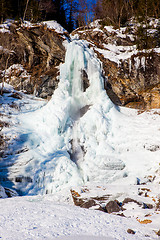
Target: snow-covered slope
x,y
131,72
41,218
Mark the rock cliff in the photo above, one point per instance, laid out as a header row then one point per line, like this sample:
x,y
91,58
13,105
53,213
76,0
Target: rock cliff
x,y
30,55
132,76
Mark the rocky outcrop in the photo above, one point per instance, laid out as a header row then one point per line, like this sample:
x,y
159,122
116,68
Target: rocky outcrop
x,y
112,206
30,56
132,77
2,192
135,82
7,192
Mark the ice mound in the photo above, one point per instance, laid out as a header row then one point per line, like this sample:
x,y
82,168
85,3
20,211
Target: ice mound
x,y
68,147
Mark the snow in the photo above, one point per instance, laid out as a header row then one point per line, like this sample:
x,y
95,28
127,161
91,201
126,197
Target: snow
x,y
95,24
112,50
117,53
40,217
6,87
121,33
4,28
157,50
54,25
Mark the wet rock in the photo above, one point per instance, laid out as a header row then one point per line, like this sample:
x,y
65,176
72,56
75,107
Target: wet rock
x,y
130,231
112,206
158,233
49,82
127,200
147,206
85,80
2,192
10,192
90,203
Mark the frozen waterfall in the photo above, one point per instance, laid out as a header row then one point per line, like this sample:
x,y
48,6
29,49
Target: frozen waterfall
x,y
68,137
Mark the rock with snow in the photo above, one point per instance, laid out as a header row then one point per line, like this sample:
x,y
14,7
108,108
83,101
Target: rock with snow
x,y
10,192
2,192
131,76
33,53
88,204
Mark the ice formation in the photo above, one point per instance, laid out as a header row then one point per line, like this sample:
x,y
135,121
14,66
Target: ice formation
x,y
68,137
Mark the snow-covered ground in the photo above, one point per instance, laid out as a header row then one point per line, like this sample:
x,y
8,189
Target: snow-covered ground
x,y
40,217
108,45
78,138
54,25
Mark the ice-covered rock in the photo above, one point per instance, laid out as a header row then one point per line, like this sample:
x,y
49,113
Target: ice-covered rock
x,y
2,192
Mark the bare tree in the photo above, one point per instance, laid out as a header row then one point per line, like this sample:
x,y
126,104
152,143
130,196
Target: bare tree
x,y
6,65
25,10
84,13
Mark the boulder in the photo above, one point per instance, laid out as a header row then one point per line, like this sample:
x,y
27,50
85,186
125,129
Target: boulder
x,y
10,192
88,204
112,206
130,231
127,200
158,233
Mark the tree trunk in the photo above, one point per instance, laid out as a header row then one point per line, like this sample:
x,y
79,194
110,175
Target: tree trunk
x,y
4,74
25,10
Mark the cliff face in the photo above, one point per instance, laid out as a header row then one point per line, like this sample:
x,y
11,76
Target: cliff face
x,y
31,55
132,76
